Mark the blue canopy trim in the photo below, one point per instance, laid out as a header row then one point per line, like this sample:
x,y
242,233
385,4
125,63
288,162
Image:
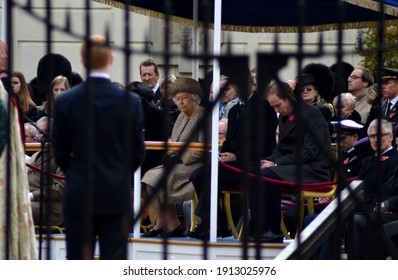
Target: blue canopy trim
x,y
260,16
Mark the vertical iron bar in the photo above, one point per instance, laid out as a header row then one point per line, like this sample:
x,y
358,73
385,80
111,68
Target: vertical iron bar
x,y
339,168
300,56
128,138
379,179
46,177
8,170
90,122
166,61
205,7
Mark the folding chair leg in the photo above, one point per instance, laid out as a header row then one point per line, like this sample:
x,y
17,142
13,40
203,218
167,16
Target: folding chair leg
x,y
194,218
228,213
283,228
152,219
300,219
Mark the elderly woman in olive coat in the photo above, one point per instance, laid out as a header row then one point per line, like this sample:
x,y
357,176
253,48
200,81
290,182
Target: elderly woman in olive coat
x,y
187,95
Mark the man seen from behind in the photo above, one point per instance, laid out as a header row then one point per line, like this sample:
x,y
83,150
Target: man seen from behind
x,y
98,143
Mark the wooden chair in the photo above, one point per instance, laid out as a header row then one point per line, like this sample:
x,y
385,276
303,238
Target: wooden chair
x,y
194,218
308,194
236,229
307,197
152,221
53,229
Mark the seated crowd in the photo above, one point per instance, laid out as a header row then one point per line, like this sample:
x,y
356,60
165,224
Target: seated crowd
x,y
270,134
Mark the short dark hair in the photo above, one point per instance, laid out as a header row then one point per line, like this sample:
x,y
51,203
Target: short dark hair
x,y
284,92
150,62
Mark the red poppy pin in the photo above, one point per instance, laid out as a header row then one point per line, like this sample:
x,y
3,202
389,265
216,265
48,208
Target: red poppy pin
x,y
383,158
394,111
291,118
345,161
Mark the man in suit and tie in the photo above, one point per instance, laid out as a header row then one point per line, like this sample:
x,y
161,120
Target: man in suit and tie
x,y
98,143
304,146
254,114
388,159
374,172
389,87
149,72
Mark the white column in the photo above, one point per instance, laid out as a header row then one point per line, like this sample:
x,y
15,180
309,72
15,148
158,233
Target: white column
x,y
4,20
214,124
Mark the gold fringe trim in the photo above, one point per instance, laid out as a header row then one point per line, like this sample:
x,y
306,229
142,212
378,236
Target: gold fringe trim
x,y
145,12
375,6
268,29
306,29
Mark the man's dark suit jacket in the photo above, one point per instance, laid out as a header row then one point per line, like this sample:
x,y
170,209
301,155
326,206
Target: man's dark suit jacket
x,y
392,115
153,132
390,186
117,114
368,173
156,95
374,247
262,130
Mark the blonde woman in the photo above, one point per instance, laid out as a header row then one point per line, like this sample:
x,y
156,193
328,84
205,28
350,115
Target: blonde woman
x,y
57,87
347,108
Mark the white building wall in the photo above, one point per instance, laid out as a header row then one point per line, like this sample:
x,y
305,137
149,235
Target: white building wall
x,y
29,40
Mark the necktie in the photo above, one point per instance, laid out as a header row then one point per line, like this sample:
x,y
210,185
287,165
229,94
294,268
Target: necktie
x,y
388,108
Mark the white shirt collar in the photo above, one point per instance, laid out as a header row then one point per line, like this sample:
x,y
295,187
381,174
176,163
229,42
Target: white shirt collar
x,y
393,101
385,151
100,75
155,88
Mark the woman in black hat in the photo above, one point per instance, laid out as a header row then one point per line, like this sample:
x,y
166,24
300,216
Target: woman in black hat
x,y
308,88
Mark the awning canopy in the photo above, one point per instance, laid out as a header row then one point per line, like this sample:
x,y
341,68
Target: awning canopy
x,y
271,16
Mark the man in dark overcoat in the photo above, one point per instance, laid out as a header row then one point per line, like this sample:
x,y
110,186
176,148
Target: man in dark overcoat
x,y
303,153
98,143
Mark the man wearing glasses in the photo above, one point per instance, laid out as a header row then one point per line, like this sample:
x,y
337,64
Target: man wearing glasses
x,y
387,157
358,83
375,172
